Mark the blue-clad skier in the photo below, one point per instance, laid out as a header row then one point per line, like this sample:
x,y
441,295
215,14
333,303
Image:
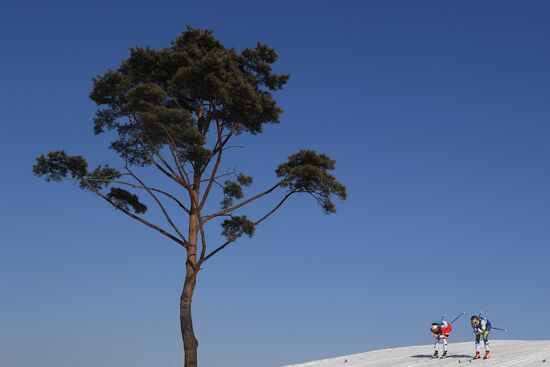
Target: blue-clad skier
x,y
482,328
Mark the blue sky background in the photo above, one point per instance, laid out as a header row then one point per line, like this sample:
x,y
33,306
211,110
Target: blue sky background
x,y
437,113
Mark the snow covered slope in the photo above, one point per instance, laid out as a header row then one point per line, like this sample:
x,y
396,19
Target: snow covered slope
x,y
504,353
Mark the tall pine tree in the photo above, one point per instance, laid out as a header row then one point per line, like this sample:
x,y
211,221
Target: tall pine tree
x,y
175,111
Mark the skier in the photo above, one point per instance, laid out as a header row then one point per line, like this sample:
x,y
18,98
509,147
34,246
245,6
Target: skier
x,y
481,327
441,331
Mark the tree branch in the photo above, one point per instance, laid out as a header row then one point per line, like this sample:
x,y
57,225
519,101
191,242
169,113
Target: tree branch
x,y
180,204
139,219
275,208
215,169
179,166
226,243
225,140
174,174
235,207
232,173
168,218
218,146
173,177
234,146
203,243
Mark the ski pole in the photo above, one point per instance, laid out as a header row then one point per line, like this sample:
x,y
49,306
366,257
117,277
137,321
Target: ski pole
x,y
497,328
443,317
456,318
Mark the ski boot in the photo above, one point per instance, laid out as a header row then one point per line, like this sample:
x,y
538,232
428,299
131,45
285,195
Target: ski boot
x,y
486,355
436,354
477,356
444,355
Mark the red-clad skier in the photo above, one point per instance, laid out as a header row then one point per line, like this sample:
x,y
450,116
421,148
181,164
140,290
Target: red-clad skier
x,y
441,331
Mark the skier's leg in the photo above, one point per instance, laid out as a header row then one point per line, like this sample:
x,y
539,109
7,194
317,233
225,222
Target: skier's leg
x,y
486,340
444,355
477,342
436,347
486,343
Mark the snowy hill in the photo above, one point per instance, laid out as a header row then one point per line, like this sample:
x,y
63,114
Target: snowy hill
x,y
503,353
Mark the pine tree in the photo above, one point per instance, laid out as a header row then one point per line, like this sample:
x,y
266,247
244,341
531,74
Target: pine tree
x,y
175,111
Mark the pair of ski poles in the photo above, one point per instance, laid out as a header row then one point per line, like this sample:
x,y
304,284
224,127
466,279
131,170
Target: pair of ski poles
x,y
463,312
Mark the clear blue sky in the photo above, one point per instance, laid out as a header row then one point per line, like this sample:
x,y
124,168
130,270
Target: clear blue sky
x,y
437,113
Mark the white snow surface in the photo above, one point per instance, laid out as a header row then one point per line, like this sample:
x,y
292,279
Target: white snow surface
x,y
504,353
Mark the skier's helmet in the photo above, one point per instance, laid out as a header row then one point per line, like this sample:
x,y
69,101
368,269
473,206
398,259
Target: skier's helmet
x,y
474,320
435,327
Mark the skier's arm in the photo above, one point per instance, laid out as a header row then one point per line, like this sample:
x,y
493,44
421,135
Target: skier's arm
x,y
482,325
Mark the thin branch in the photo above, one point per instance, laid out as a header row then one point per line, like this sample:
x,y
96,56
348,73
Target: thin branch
x,y
219,184
215,169
203,242
235,207
168,171
219,145
232,173
175,100
139,219
169,167
160,168
226,243
275,208
233,146
171,175
318,199
210,115
180,204
179,166
225,140
168,218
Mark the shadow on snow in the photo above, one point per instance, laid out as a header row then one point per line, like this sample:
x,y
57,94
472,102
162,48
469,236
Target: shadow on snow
x,y
448,356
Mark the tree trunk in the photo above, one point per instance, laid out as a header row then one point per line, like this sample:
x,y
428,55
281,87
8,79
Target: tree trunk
x,y
190,343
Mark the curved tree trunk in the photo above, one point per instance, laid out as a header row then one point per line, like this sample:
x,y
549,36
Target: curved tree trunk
x,y
190,343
